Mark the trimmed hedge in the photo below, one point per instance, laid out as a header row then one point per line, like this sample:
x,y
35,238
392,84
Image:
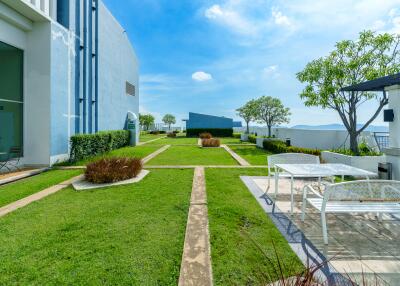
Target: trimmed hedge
x,y
237,135
253,139
216,132
276,146
87,145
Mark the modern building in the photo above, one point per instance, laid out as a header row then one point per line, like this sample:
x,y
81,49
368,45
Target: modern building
x,y
66,67
202,121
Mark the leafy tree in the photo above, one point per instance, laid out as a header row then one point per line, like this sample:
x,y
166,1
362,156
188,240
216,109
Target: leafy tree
x,y
169,119
271,111
248,113
371,56
146,120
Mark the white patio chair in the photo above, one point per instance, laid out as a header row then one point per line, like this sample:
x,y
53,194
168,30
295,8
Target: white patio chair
x,y
288,158
364,196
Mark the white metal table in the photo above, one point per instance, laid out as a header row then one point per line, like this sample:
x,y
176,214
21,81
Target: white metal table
x,y
317,171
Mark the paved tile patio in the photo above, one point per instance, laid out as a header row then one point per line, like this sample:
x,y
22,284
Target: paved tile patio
x,y
357,243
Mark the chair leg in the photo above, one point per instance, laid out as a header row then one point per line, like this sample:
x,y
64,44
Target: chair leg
x,y
304,206
324,227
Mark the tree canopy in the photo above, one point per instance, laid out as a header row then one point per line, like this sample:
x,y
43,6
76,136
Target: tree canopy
x,y
146,120
169,119
271,111
352,62
248,112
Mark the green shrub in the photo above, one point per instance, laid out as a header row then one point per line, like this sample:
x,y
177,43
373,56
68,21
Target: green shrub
x,y
216,132
253,139
171,135
237,135
277,146
87,145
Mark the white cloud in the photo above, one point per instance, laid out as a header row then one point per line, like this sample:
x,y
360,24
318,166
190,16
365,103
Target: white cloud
x,y
231,18
280,19
201,76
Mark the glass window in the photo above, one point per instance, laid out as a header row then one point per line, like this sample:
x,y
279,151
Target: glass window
x,y
11,99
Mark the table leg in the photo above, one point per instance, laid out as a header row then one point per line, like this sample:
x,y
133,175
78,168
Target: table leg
x,y
291,194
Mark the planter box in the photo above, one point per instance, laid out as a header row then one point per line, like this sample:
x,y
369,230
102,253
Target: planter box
x,y
369,163
244,137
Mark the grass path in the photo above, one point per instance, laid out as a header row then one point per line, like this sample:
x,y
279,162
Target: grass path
x,y
15,191
236,222
193,155
125,235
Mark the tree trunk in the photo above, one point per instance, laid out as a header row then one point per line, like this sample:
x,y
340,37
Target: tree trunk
x,y
353,142
247,127
269,130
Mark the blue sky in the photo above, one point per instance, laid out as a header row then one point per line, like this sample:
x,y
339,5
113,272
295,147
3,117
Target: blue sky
x,y
213,56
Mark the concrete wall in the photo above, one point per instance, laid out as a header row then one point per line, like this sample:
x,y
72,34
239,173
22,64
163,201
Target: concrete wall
x,y
314,139
197,120
117,65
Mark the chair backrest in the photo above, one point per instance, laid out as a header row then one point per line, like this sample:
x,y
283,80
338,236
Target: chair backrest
x,y
292,158
363,190
15,152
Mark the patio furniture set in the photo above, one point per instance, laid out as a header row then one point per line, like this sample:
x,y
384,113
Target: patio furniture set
x,y
12,159
360,196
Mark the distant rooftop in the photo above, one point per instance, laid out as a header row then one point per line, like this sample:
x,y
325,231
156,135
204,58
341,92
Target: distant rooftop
x,y
378,84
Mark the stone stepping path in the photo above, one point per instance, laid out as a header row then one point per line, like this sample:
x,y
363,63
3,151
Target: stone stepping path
x,y
235,156
196,258
35,197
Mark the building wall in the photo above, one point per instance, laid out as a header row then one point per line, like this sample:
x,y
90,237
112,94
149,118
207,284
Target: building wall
x,y
117,64
197,120
62,101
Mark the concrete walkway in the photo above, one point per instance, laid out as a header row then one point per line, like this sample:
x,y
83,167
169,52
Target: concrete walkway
x,y
205,166
35,197
235,156
154,154
199,142
196,258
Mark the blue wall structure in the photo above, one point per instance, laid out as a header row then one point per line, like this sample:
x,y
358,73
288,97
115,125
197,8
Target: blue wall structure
x,y
199,121
88,78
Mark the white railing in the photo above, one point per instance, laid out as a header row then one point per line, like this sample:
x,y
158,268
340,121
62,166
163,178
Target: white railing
x,y
43,6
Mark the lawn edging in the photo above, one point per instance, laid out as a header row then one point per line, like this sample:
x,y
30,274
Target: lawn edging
x,y
240,160
154,154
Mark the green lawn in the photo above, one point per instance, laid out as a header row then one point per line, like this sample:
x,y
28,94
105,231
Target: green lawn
x,y
15,191
231,140
252,154
125,235
148,137
137,151
193,155
237,222
180,140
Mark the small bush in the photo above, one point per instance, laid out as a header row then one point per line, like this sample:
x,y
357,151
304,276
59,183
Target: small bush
x,y
215,132
237,135
212,142
205,135
87,145
277,146
253,139
175,131
171,135
154,132
111,170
